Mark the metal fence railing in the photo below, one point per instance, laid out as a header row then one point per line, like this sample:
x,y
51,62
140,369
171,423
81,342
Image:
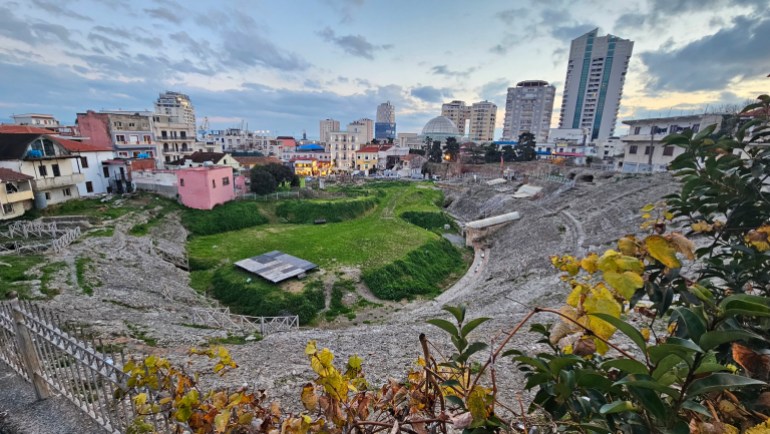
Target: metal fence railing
x,y
35,344
224,319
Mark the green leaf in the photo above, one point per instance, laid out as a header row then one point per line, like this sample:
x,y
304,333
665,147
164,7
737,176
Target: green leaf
x,y
455,401
467,328
709,367
617,407
715,338
534,362
626,328
457,311
472,349
696,326
444,325
720,381
647,382
650,400
626,365
696,407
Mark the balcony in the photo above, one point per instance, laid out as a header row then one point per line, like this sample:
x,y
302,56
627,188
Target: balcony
x,y
57,181
19,196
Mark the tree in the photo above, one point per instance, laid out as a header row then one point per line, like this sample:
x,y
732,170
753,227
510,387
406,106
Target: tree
x,y
435,152
262,181
375,142
452,148
476,153
509,154
491,153
427,170
525,149
281,173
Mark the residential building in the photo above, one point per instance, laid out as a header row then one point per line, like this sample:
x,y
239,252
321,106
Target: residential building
x,y
285,147
36,120
390,156
248,162
483,118
528,109
158,181
44,159
88,161
326,127
311,160
119,173
237,139
458,113
363,126
409,140
15,194
200,158
342,147
179,107
596,72
205,187
366,159
644,150
129,133
385,125
609,148
174,127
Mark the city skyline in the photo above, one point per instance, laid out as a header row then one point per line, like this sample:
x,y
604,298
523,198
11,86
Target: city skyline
x,y
277,70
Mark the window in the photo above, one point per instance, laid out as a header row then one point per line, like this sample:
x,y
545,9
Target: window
x,y
106,171
632,149
668,151
213,183
66,192
225,181
147,138
47,196
647,150
89,187
84,162
181,182
133,139
7,208
637,130
120,138
55,170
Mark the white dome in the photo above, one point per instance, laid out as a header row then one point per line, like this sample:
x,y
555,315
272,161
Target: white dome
x,y
440,125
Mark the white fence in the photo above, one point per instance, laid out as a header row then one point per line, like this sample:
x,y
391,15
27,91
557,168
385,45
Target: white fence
x,y
224,319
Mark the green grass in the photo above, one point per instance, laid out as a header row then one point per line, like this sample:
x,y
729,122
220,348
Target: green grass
x,y
101,232
308,211
82,266
138,333
432,221
12,274
230,216
336,306
49,270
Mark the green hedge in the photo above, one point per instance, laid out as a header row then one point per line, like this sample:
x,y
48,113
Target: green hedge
x,y
261,298
420,272
432,221
308,211
230,216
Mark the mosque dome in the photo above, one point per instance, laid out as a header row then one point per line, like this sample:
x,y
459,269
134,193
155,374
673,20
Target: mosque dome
x,y
440,126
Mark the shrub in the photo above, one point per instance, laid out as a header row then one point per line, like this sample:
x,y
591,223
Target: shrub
x,y
308,211
262,181
230,216
432,221
419,273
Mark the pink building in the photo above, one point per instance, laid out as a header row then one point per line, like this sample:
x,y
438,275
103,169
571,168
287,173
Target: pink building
x,y
206,186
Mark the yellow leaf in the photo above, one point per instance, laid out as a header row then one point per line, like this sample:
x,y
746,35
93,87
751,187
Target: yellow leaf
x,y
310,349
646,216
600,300
627,245
355,362
140,399
701,226
629,263
589,263
662,250
668,215
649,207
309,398
421,362
625,283
762,428
645,333
683,245
221,420
477,404
245,418
574,297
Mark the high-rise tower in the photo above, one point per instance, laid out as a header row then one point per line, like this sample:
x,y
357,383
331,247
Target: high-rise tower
x,y
385,123
528,108
483,117
458,113
596,73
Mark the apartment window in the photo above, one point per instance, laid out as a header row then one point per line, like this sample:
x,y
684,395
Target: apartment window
x,y
163,134
147,138
10,188
89,187
120,138
668,151
213,183
47,196
55,170
637,130
66,192
134,139
42,170
225,181
647,150
7,208
106,171
84,162
181,182
632,149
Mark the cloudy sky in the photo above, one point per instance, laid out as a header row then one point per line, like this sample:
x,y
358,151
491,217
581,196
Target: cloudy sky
x,y
282,65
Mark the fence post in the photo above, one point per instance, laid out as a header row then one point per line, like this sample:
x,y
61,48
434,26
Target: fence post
x,y
262,326
29,356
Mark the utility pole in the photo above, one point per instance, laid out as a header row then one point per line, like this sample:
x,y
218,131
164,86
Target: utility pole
x,y
652,148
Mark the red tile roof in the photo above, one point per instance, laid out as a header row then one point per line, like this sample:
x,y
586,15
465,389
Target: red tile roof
x,y
10,175
23,129
75,146
257,161
368,149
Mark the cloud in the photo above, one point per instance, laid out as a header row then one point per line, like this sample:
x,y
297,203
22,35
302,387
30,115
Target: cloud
x,y
33,32
494,90
345,8
509,16
711,62
134,35
54,8
164,14
429,93
570,32
107,43
444,70
355,45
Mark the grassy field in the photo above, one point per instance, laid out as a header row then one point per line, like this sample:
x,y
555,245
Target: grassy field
x,y
370,242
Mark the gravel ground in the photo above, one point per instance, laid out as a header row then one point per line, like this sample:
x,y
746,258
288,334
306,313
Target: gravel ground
x,y
511,273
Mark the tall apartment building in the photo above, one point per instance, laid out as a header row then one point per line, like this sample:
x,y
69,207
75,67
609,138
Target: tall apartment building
x,y
129,133
483,117
174,127
458,113
596,73
326,127
363,126
342,147
528,108
385,125
36,120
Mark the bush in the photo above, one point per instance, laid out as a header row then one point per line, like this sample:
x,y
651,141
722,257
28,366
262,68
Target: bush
x,y
336,306
308,211
230,216
432,221
260,298
419,273
262,181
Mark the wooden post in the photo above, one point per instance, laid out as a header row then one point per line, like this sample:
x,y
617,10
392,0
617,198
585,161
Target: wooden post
x,y
29,356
